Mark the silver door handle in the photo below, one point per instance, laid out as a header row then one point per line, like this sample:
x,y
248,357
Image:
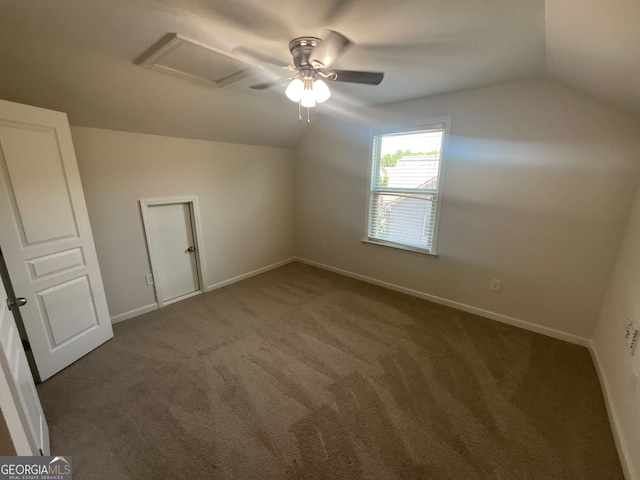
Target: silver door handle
x,y
191,249
18,302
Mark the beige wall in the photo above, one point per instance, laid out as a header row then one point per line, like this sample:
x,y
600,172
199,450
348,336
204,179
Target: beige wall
x,y
245,194
621,370
538,188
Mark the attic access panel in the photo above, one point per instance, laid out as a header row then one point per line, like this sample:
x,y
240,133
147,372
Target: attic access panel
x,y
193,61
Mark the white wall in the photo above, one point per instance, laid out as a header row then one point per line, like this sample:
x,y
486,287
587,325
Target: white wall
x,y
537,192
245,195
621,370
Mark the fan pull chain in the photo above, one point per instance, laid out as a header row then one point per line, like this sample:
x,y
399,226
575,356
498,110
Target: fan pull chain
x,y
300,113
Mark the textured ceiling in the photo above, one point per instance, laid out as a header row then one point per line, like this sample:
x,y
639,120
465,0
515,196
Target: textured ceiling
x,y
78,57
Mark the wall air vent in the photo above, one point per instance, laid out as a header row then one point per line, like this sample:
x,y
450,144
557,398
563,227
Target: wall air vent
x,y
193,61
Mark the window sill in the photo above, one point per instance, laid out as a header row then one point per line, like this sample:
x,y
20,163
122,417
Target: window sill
x,y
399,247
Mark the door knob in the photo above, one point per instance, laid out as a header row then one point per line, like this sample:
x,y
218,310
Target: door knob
x,y
191,249
18,302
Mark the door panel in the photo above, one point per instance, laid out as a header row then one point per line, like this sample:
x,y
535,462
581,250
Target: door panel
x,y
171,234
20,401
37,182
46,238
54,302
55,263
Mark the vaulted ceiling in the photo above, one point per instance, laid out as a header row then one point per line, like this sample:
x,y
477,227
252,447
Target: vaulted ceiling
x,y
594,45
79,56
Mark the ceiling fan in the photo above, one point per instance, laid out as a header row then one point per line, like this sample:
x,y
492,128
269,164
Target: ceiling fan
x,y
312,60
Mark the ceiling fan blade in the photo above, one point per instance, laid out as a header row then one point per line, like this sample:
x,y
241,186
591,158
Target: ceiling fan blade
x,y
332,47
249,16
272,83
353,76
259,57
335,10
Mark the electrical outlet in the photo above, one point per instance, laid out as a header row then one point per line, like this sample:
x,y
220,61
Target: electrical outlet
x,y
324,245
149,279
495,284
631,334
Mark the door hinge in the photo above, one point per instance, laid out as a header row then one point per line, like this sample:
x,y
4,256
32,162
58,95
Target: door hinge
x,y
26,345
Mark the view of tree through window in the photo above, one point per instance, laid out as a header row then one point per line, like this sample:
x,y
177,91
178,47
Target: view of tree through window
x,y
404,195
390,159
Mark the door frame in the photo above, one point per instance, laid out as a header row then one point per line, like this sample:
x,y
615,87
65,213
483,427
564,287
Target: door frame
x,y
192,202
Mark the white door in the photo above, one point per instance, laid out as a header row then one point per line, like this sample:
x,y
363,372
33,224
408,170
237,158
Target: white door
x,y
172,247
18,396
46,238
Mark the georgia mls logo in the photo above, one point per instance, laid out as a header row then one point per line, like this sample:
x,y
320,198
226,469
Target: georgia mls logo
x,y
35,468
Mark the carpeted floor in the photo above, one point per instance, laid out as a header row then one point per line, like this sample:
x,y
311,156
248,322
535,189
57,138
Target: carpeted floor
x,y
301,373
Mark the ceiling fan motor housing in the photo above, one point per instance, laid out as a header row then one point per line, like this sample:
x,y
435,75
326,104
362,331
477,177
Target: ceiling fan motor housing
x,y
313,57
300,49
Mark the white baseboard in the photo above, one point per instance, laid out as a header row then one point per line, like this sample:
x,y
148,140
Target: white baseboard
x,y
250,274
134,313
516,322
614,418
154,306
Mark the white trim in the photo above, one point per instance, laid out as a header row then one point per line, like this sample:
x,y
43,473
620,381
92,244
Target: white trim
x,y
154,306
196,229
252,273
183,297
134,313
516,322
442,170
399,246
614,418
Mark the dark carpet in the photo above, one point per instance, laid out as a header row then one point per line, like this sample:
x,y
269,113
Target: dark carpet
x,y
303,374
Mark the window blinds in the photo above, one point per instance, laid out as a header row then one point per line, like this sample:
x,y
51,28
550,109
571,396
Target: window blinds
x,y
404,188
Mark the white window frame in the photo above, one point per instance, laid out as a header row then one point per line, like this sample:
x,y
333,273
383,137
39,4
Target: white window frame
x,y
373,163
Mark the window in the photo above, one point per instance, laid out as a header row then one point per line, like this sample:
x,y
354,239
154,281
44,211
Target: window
x,y
405,187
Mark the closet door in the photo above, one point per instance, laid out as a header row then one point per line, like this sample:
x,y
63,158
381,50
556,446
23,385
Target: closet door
x,y
46,238
175,267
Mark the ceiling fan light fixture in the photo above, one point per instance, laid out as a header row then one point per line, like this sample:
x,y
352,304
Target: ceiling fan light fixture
x,y
308,91
294,90
321,91
308,99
